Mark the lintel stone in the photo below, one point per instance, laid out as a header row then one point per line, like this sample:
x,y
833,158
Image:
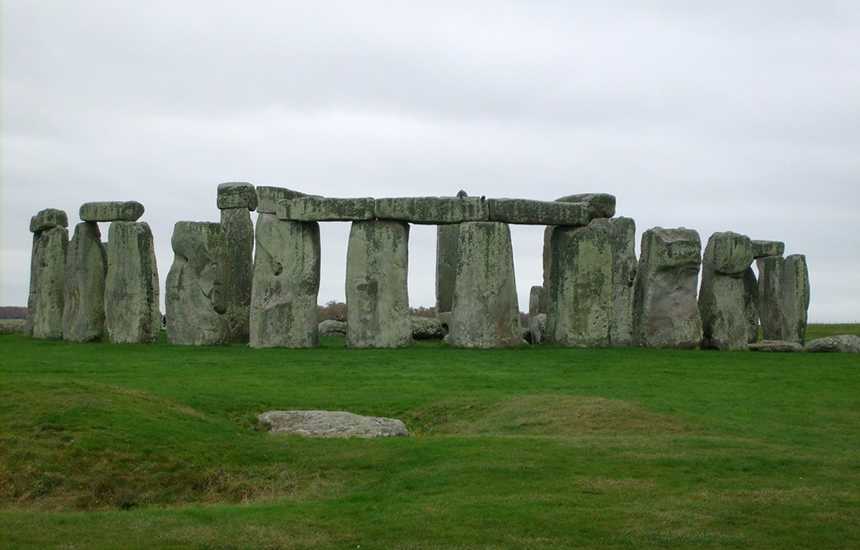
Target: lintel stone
x,y
600,205
237,194
762,249
111,211
268,197
319,209
432,210
47,219
525,211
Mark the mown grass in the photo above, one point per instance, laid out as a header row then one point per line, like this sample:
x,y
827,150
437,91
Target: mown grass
x,y
157,446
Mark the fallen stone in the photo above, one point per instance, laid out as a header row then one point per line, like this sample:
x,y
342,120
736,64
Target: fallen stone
x,y
524,211
235,194
723,295
432,210
427,328
332,327
761,249
128,211
48,219
600,205
485,311
843,343
132,313
269,197
665,309
238,271
286,284
47,282
332,424
447,242
775,346
195,289
321,209
784,297
622,241
377,297
84,297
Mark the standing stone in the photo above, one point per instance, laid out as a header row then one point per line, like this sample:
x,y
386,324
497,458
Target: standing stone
x,y
286,284
195,293
665,310
537,320
723,299
580,287
485,311
547,265
236,200
47,274
132,312
751,294
784,298
86,268
447,241
622,240
377,298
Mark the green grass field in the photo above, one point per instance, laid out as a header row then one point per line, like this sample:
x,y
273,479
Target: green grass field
x,y
106,446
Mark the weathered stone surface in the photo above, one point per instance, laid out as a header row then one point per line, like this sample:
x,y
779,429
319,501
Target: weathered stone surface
x,y
132,313
751,293
47,281
84,301
580,287
665,310
535,299
112,211
13,326
524,211
238,271
331,327
377,298
844,343
776,346
600,205
321,209
723,295
237,194
269,197
622,240
537,320
286,284
330,424
447,242
783,297
427,328
432,210
761,249
195,291
48,219
485,312
547,265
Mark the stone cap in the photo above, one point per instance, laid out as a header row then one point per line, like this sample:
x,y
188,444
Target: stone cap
x,y
47,219
761,249
237,194
111,211
319,209
728,253
525,211
268,197
670,248
601,205
433,210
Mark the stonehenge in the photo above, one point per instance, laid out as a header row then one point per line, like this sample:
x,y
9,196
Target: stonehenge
x,y
47,273
236,201
784,298
84,295
724,294
537,319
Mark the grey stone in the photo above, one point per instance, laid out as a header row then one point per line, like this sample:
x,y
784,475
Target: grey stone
x,y
600,205
537,320
269,197
779,346
320,209
723,295
47,281
622,240
524,211
580,287
547,265
427,328
238,271
112,211
784,297
48,219
332,424
377,297
751,294
84,302
13,326
286,284
195,291
132,312
237,194
761,249
665,310
485,312
447,241
432,210
332,327
844,343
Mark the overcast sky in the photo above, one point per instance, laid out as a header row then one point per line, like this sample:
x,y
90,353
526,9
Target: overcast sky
x,y
730,115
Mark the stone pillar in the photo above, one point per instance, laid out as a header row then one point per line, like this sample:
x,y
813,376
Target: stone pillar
x,y
132,313
723,300
236,200
485,311
665,310
86,268
622,240
377,297
286,284
447,239
195,292
537,320
47,273
784,299
751,294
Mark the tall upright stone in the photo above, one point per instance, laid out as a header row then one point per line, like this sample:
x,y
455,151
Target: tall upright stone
x,y
377,297
47,273
622,240
132,313
665,309
537,320
286,284
195,295
86,269
485,311
751,307
784,298
237,200
447,240
723,299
